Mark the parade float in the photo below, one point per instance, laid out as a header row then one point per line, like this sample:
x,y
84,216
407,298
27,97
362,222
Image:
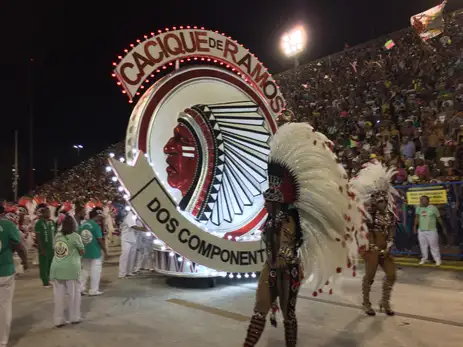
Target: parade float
x,y
196,149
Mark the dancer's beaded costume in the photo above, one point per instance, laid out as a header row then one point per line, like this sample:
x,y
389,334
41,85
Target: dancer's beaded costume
x,y
373,186
310,224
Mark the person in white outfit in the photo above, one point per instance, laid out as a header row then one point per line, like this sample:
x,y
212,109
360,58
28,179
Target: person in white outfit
x,y
10,241
145,252
129,231
65,273
94,244
426,218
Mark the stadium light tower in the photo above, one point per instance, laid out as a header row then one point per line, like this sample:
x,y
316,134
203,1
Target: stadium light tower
x,y
293,43
78,147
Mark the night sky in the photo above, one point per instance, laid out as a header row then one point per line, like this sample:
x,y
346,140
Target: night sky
x,y
73,44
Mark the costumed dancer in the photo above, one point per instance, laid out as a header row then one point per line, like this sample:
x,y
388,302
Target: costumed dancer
x,y
45,233
31,218
373,186
24,225
61,213
109,222
309,225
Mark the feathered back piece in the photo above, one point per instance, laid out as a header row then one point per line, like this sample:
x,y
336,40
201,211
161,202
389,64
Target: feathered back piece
x,y
329,217
373,183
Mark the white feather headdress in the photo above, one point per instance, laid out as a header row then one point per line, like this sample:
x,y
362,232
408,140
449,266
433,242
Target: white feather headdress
x,y
374,179
330,219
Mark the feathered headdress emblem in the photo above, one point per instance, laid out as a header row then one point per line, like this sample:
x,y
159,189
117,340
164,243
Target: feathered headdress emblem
x,y
304,171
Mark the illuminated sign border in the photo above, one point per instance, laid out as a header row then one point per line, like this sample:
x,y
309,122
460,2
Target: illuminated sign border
x,y
180,45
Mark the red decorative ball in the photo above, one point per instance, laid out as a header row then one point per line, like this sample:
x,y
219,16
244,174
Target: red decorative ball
x,y
314,293
338,270
354,274
331,291
320,290
327,282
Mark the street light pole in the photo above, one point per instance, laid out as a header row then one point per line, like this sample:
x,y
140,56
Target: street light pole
x,y
31,124
78,147
16,166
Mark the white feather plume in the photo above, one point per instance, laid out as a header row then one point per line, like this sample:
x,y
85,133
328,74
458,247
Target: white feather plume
x,y
372,178
327,211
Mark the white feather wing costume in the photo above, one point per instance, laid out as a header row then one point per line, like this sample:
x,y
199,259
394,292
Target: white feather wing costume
x,y
330,219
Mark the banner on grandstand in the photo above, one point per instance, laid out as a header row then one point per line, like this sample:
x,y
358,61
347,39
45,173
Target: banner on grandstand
x,y
437,195
430,23
157,209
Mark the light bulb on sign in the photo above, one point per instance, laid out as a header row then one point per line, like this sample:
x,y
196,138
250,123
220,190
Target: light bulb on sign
x,y
120,188
246,276
253,275
111,155
108,168
127,208
238,276
114,179
171,254
188,263
179,258
126,196
230,276
121,159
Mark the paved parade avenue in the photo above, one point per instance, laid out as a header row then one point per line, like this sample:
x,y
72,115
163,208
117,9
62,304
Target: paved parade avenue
x,y
147,311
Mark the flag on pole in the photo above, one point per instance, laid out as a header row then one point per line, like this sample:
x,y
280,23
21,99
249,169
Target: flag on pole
x,y
389,44
430,23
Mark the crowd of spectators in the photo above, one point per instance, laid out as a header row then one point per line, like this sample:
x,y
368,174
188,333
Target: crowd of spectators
x,y
402,105
85,182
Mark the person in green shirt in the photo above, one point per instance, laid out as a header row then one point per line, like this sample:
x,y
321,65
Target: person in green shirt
x,y
45,233
92,237
426,218
10,241
65,272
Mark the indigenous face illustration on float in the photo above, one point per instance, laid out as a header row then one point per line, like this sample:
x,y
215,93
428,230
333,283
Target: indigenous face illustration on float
x,y
218,160
182,159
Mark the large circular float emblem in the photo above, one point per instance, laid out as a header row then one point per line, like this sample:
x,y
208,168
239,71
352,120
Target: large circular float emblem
x,y
197,146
